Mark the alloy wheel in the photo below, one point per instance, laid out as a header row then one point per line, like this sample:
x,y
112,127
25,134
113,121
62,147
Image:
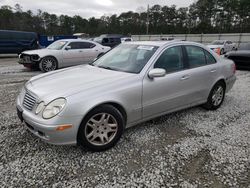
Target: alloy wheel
x,y
217,96
48,64
101,129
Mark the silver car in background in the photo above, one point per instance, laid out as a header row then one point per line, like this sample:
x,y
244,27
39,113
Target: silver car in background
x,y
62,53
92,104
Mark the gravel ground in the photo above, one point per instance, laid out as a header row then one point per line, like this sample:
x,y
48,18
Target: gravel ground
x,y
191,148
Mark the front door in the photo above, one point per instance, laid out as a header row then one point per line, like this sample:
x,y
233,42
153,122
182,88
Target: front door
x,y
174,90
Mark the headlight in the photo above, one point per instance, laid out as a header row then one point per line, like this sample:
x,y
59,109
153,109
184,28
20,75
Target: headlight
x,y
40,107
54,108
35,57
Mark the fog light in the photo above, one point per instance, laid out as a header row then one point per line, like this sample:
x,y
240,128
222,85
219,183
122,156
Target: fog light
x,y
63,127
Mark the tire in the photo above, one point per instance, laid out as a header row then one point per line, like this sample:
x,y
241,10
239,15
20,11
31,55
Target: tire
x,y
216,96
48,64
101,129
222,51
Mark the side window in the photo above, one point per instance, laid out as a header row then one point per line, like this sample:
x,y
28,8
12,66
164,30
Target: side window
x,y
196,56
86,45
171,60
111,40
210,59
74,45
105,40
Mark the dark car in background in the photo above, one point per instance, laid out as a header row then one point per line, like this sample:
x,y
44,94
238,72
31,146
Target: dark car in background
x,y
111,40
241,57
15,42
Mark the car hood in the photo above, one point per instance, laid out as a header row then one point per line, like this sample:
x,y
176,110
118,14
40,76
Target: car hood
x,y
67,82
211,46
40,52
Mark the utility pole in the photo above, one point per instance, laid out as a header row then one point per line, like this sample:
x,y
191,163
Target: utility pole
x,y
147,22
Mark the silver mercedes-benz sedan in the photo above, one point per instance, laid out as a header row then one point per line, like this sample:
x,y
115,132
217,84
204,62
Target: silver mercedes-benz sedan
x,y
92,104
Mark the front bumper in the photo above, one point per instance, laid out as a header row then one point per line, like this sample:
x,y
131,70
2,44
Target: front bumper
x,y
46,129
26,59
24,62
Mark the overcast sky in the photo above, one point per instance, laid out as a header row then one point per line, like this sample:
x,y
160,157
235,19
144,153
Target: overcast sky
x,y
89,8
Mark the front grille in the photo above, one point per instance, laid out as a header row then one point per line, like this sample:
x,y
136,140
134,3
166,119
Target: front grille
x,y
29,101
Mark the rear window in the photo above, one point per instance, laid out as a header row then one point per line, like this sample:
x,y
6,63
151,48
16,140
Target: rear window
x,y
86,45
196,56
210,59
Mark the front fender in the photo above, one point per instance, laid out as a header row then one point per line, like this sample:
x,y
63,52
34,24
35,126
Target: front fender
x,y
81,104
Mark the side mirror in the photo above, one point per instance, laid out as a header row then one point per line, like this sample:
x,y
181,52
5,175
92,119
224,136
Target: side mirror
x,y
67,47
157,72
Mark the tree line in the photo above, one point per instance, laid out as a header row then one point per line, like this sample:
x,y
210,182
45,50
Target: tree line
x,y
203,16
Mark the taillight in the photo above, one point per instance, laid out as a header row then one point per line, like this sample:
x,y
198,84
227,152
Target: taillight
x,y
234,68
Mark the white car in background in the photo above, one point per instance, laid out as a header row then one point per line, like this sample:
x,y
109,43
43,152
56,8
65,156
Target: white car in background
x,y
222,46
62,53
126,39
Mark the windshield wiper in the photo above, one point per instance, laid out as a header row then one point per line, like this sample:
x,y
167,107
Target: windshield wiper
x,y
107,67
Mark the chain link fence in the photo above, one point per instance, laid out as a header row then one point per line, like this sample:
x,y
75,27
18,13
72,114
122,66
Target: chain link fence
x,y
202,38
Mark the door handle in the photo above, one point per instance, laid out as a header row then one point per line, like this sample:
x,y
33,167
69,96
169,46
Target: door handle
x,y
186,77
80,50
213,70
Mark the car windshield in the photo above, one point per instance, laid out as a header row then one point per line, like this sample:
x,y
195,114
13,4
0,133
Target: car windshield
x,y
126,58
58,45
217,42
244,46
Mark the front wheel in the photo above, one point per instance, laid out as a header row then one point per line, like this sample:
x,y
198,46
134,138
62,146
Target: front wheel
x,y
101,129
48,64
216,97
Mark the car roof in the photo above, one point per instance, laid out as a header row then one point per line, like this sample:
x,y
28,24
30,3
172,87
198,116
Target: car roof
x,y
162,43
76,40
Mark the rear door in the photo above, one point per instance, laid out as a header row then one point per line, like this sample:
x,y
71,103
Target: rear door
x,y
202,70
89,51
73,54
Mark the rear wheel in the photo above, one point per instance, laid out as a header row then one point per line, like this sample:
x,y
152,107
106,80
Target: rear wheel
x,y
48,64
216,97
101,129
